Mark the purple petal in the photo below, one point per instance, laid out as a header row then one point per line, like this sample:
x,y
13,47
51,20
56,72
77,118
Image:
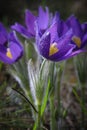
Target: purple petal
x,y
3,34
53,32
13,38
3,56
73,22
44,45
56,18
38,35
64,46
65,39
84,27
84,40
69,54
22,30
43,18
16,51
30,22
63,54
63,28
77,52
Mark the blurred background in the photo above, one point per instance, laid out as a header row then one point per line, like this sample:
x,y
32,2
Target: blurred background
x,y
13,10
12,106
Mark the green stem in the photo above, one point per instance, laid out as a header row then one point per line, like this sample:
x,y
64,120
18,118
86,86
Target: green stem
x,y
51,99
37,125
52,74
58,99
83,104
52,114
60,74
39,117
58,104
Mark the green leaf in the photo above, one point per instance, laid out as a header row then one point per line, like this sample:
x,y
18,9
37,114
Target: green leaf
x,y
45,98
1,65
79,100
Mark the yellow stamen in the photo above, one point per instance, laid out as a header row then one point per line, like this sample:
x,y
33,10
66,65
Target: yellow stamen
x,y
53,49
77,41
8,53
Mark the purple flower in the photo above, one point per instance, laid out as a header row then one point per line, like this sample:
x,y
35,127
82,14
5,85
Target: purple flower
x,y
84,28
55,39
28,31
10,48
56,42
80,32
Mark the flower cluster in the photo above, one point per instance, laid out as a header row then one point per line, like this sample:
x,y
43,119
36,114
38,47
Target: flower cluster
x,y
55,38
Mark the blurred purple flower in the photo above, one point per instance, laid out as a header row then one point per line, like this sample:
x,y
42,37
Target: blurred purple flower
x,y
80,32
56,42
10,48
29,30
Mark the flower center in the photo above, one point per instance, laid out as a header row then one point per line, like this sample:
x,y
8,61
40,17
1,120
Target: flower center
x,y
77,41
53,49
8,53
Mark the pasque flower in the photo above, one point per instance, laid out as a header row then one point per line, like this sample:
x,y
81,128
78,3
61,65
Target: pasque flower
x,y
28,31
56,42
10,48
55,39
80,32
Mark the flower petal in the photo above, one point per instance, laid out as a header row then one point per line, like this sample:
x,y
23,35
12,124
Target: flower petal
x,y
43,18
22,30
63,28
64,46
56,18
65,39
16,51
3,34
44,45
53,32
77,52
84,40
63,55
3,56
30,22
84,27
15,46
73,22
